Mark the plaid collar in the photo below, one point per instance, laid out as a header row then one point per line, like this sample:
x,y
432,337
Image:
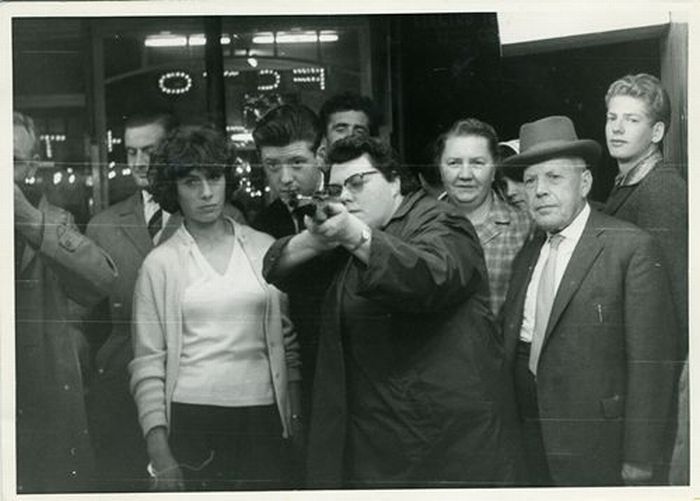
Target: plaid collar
x,y
500,211
498,217
639,171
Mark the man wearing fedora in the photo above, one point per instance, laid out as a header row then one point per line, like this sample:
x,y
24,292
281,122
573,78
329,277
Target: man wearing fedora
x,y
589,326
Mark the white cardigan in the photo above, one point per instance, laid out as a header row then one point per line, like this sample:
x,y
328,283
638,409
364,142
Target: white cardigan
x,y
157,327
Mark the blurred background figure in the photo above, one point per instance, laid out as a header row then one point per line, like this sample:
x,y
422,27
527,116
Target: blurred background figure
x,y
509,184
467,155
215,373
54,265
129,229
348,114
431,180
409,390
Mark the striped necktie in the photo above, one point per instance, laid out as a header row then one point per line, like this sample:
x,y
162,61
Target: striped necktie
x,y
545,299
155,223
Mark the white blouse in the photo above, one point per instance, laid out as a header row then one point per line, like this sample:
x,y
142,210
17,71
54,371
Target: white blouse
x,y
224,358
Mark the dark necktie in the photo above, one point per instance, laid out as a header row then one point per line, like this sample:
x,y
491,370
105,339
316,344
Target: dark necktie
x,y
545,299
155,223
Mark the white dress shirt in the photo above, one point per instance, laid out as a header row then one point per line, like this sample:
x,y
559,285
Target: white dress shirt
x,y
571,234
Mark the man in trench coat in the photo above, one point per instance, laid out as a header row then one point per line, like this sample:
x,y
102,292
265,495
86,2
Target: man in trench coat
x,y
54,264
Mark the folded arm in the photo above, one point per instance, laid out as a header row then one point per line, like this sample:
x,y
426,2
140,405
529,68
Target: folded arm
x,y
440,264
85,271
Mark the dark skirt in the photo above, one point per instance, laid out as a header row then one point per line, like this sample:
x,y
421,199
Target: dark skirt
x,y
230,448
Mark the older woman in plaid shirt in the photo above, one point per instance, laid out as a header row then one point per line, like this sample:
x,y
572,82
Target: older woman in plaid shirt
x,y
467,155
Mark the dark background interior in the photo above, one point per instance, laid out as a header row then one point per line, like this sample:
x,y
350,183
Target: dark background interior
x,y
427,71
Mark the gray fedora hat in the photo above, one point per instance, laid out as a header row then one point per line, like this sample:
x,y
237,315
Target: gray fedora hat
x,y
549,138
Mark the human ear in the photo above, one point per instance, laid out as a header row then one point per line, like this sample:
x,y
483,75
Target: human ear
x,y
586,182
321,152
657,132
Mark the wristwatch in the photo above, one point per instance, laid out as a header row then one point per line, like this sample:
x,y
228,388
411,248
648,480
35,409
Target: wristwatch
x,y
364,237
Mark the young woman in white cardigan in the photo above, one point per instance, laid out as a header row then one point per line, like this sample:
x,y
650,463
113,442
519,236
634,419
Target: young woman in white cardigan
x,y
216,368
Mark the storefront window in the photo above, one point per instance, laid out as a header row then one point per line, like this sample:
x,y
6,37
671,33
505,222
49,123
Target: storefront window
x,y
266,61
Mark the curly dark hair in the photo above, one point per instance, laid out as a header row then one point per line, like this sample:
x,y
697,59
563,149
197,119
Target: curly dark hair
x,y
350,101
182,151
382,156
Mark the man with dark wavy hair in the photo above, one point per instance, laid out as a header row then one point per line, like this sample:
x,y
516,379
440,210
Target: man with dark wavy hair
x,y
349,114
288,139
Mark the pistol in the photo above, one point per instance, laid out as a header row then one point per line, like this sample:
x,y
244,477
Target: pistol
x,y
317,209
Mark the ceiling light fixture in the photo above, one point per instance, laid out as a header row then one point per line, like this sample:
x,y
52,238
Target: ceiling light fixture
x,y
289,37
199,40
167,39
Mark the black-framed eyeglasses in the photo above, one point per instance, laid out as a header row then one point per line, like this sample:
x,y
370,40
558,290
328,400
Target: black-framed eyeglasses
x,y
353,183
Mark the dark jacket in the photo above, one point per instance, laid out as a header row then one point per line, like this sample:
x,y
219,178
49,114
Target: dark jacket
x,y
409,389
305,294
53,446
659,205
604,379
275,220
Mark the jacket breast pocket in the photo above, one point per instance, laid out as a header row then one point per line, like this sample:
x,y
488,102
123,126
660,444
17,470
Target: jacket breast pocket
x,y
606,314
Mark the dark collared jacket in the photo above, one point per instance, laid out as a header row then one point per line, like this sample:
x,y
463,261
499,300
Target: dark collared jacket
x,y
409,389
275,220
659,204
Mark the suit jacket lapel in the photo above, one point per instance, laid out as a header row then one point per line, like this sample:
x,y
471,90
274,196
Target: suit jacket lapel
x,y
618,197
585,253
530,257
133,224
522,274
